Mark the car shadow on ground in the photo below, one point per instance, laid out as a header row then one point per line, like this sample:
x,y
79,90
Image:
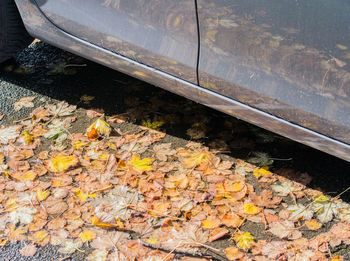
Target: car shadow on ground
x,y
47,71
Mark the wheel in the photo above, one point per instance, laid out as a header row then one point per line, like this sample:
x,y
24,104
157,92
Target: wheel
x,y
13,35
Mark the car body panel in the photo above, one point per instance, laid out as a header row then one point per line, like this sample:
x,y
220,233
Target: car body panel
x,y
38,25
288,58
162,34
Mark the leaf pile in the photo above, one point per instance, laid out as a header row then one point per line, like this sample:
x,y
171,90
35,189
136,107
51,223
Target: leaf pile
x,y
134,197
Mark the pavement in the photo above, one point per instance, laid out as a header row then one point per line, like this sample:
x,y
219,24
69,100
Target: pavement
x,y
53,75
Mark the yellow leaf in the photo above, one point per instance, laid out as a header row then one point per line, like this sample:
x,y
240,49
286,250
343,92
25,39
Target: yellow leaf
x,y
152,240
152,124
251,209
313,224
83,196
28,175
112,146
87,235
211,222
42,194
321,199
102,127
264,171
28,138
196,158
140,164
244,240
62,163
80,144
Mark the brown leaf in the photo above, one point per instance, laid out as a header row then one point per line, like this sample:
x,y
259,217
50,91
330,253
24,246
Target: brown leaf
x,y
28,250
56,223
265,199
217,233
55,206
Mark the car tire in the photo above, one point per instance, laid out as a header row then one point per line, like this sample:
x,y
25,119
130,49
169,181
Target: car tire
x,y
13,35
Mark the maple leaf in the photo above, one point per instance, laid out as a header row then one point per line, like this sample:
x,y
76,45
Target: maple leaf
x,y
285,188
265,199
194,159
62,163
140,164
24,102
70,245
244,240
8,133
325,208
109,239
87,235
61,109
102,127
299,211
162,151
28,250
99,255
284,229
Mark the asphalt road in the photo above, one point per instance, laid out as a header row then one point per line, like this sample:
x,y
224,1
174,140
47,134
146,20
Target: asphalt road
x,y
42,71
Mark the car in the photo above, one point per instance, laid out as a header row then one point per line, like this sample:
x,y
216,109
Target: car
x,y
279,64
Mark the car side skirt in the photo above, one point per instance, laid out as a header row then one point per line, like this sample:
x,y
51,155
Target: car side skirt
x,y
39,26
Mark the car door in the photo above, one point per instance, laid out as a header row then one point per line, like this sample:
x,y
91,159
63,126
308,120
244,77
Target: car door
x,y
161,34
288,58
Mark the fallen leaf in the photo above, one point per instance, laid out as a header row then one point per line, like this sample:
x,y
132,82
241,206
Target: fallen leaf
x,y
55,206
70,246
162,151
251,209
62,163
61,181
61,109
42,194
231,220
41,237
9,133
217,233
24,102
102,127
244,240
87,235
211,222
313,224
284,229
140,164
28,250
233,253
22,176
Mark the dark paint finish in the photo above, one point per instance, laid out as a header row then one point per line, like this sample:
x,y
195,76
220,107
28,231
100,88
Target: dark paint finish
x,y
161,34
288,58
39,26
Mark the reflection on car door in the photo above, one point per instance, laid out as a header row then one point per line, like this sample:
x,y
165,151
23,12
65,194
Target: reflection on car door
x,y
288,58
161,34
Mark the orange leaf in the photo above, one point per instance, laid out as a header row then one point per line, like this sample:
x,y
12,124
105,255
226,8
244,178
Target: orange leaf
x,y
92,134
233,253
231,220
